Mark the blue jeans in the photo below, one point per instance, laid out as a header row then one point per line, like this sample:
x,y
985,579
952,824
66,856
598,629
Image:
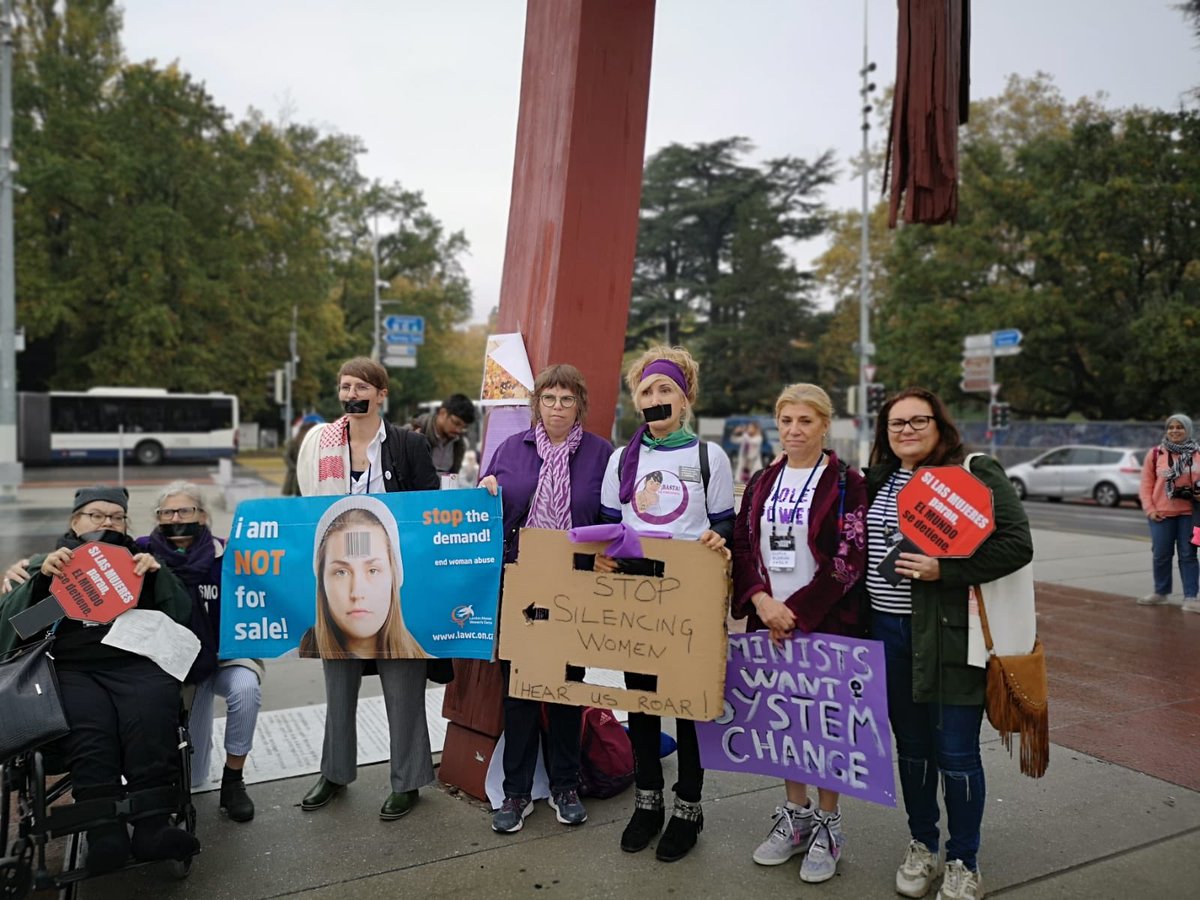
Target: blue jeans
x,y
932,739
1166,538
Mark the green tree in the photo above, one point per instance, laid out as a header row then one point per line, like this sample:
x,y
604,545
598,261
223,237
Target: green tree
x,y
1078,227
712,268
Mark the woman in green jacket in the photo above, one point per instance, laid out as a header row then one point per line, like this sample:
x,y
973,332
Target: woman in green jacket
x,y
935,700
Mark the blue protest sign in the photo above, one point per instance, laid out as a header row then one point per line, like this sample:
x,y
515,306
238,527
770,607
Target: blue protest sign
x,y
813,710
408,574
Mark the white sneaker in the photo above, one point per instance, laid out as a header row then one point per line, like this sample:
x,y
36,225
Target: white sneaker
x,y
919,870
960,883
1152,600
824,850
1191,604
789,835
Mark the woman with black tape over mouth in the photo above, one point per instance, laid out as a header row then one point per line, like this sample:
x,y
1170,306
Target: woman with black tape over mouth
x,y
363,453
666,479
122,708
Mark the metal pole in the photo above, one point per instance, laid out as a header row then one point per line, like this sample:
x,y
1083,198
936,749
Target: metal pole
x,y
375,286
289,375
10,469
864,287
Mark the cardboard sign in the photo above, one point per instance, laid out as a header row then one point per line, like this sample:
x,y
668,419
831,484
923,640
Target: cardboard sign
x,y
673,627
97,583
813,710
946,511
411,574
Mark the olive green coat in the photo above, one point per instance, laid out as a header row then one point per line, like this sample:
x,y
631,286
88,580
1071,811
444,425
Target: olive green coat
x,y
939,622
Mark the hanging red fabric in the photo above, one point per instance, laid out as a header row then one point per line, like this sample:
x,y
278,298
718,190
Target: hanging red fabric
x,y
931,99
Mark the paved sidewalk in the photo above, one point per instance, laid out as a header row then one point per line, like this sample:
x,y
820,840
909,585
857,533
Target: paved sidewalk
x,y
1117,815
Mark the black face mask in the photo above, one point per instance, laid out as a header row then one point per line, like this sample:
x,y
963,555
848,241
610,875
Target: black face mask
x,y
180,529
355,406
104,536
657,413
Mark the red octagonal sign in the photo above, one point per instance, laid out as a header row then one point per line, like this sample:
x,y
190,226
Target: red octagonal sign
x,y
946,511
98,583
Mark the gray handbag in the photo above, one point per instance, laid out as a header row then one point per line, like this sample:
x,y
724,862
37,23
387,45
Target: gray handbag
x,y
30,706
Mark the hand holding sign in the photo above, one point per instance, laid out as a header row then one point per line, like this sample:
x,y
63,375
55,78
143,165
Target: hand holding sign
x,y
97,582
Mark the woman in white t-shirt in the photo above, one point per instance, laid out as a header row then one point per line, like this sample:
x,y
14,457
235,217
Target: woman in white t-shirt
x,y
666,480
799,551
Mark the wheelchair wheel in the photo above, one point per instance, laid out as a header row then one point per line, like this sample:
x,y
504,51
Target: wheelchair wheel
x,y
16,871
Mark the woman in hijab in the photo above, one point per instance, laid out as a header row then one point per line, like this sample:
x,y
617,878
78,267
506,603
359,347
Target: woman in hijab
x,y
1169,475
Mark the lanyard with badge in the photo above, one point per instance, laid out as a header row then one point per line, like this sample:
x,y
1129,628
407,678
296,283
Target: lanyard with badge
x,y
891,533
783,546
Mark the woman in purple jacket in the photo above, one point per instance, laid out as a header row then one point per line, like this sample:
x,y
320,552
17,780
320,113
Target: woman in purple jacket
x,y
551,475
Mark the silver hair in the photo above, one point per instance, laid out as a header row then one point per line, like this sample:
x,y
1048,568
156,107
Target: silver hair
x,y
187,488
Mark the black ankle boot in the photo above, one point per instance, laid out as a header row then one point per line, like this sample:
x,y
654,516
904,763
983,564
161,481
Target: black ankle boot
x,y
647,821
235,802
156,838
107,848
687,821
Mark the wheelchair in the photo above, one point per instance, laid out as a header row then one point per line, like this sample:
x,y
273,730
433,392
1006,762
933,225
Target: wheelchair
x,y
25,778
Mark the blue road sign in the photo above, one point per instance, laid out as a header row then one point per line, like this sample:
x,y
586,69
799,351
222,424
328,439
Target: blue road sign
x,y
392,338
412,324
404,329
1009,337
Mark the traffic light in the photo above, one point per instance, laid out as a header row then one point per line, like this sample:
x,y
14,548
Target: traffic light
x,y
876,395
277,385
998,415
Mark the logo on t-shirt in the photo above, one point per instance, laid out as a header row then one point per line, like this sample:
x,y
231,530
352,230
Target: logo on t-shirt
x,y
660,498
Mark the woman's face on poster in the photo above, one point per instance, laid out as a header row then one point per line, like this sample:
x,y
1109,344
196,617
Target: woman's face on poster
x,y
358,580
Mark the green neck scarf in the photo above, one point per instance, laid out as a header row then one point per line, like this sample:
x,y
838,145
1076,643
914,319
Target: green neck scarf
x,y
675,439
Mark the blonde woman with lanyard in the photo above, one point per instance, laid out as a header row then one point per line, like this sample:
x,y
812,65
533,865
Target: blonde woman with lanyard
x,y
665,452
361,453
799,547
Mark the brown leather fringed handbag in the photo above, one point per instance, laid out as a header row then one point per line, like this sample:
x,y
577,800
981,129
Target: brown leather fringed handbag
x,y
1017,699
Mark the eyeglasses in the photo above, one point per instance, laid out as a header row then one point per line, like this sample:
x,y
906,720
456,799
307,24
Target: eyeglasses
x,y
550,401
98,518
183,512
918,423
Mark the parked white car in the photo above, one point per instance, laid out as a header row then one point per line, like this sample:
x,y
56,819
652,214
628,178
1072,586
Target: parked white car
x,y
1106,474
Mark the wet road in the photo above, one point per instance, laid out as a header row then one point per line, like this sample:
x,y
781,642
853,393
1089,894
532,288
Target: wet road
x,y
35,528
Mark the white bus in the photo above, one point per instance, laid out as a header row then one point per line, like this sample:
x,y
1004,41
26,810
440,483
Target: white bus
x,y
149,424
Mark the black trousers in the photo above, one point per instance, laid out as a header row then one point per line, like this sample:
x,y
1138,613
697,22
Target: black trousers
x,y
644,730
123,722
523,732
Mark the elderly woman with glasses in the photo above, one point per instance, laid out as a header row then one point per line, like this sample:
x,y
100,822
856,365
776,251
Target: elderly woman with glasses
x,y
123,710
935,700
184,544
551,476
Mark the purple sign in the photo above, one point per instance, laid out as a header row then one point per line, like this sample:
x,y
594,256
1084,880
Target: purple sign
x,y
813,710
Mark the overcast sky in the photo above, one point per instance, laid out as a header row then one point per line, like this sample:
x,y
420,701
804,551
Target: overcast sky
x,y
432,87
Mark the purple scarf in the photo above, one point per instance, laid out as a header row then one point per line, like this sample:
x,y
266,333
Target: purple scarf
x,y
551,504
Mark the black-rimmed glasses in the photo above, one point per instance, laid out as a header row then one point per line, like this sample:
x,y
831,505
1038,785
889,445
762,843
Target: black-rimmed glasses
x,y
917,423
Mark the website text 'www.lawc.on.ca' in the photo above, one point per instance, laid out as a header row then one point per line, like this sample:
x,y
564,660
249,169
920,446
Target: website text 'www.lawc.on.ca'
x,y
464,635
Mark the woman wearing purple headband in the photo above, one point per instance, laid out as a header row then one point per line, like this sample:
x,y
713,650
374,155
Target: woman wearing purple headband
x,y
666,479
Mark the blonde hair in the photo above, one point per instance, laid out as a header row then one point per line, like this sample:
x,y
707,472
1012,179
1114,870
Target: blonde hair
x,y
393,640
809,394
677,355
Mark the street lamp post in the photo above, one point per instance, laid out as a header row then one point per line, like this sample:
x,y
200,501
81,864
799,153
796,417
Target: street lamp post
x,y
10,469
375,282
865,350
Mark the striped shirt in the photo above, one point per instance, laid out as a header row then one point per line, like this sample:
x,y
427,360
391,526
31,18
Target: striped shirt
x,y
882,520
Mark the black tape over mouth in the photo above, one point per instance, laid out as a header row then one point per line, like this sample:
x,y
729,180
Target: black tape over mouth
x,y
351,407
657,413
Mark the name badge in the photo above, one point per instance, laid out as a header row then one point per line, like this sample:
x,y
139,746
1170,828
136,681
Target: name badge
x,y
689,473
782,557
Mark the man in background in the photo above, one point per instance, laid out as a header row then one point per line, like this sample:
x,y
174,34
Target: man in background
x,y
444,431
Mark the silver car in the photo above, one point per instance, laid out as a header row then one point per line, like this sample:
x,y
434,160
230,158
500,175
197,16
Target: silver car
x,y
1106,474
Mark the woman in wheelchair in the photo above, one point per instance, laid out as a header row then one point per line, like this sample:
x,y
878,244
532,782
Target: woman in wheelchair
x,y
122,708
